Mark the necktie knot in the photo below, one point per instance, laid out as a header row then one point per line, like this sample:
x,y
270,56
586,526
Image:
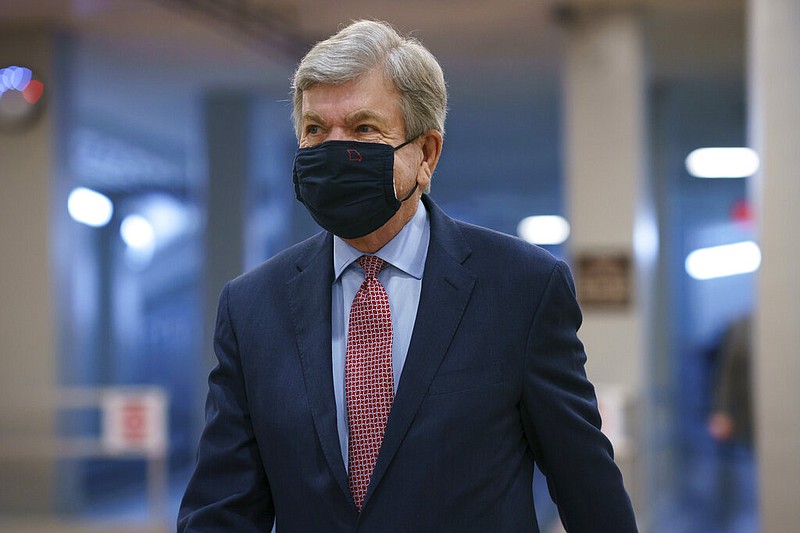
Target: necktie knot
x,y
371,264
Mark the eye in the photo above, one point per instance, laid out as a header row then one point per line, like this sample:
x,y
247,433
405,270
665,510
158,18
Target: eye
x,y
364,128
312,129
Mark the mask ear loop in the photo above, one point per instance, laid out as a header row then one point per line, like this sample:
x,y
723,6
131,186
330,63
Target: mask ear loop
x,y
396,148
410,193
411,140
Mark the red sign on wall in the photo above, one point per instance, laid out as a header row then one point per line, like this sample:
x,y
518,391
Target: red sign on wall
x,y
135,422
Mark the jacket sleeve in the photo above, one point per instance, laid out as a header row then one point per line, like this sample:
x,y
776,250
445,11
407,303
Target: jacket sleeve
x,y
228,490
562,421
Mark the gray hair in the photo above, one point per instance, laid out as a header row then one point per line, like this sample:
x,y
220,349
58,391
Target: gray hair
x,y
365,45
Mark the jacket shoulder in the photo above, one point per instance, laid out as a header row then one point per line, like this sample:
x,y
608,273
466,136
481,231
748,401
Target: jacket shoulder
x,y
283,265
491,245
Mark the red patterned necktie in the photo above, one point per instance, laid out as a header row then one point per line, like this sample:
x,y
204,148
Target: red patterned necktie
x,y
369,381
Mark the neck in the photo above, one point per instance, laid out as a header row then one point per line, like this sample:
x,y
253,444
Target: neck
x,y
372,242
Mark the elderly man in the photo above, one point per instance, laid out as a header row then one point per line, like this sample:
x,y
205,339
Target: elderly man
x,y
399,371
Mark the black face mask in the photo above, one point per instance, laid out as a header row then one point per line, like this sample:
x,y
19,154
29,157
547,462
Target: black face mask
x,y
348,186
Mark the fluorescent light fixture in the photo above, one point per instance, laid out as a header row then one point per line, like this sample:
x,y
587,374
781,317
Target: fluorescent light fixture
x,y
721,261
139,235
137,232
546,229
169,218
89,207
16,78
722,162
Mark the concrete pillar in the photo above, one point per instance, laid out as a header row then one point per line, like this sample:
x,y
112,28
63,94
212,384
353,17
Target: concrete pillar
x,y
608,205
27,329
774,92
227,143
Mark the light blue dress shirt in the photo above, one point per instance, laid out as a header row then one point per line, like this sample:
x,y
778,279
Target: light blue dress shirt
x,y
402,278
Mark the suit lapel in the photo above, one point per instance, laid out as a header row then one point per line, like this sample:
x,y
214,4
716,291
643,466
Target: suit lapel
x,y
446,288
310,304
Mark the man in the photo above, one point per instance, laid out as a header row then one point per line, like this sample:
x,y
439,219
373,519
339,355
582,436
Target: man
x,y
400,371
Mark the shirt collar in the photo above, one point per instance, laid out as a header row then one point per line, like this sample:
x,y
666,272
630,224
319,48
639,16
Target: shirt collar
x,y
406,251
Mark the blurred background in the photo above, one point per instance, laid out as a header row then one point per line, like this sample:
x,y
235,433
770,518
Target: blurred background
x,y
145,159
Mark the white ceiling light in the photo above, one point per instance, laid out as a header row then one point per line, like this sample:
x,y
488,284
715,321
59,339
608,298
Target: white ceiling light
x,y
89,207
137,232
722,162
721,261
140,237
544,230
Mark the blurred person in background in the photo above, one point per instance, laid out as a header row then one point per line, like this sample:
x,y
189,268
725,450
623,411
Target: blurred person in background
x,y
730,424
401,370
731,418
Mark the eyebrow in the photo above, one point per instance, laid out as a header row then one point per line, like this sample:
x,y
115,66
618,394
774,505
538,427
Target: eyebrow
x,y
310,116
360,115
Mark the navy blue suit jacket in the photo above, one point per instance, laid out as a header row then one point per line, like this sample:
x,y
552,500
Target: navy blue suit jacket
x,y
494,380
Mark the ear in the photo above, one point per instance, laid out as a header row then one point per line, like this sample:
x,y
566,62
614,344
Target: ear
x,y
431,144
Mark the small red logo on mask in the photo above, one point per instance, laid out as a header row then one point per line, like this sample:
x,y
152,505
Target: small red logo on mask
x,y
353,154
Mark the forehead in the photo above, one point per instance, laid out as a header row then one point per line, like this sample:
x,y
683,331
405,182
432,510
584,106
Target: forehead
x,y
370,92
